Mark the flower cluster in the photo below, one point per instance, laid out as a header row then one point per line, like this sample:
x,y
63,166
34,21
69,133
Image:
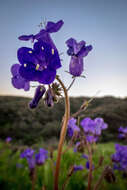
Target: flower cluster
x,y
123,133
119,158
34,159
39,63
93,128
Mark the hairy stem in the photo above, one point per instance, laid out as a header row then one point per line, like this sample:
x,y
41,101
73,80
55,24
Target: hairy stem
x,y
71,84
62,134
100,179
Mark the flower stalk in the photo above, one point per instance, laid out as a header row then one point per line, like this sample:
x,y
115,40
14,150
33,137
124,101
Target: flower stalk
x,y
90,166
62,134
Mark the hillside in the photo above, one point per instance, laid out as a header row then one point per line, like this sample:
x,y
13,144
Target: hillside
x,y
27,126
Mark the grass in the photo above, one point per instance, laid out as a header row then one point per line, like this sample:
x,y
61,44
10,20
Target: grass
x,y
17,178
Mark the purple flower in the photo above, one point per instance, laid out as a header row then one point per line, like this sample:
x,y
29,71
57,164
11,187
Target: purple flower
x,y
72,127
49,98
92,128
39,64
119,158
100,123
28,154
18,81
88,165
78,168
85,156
41,156
40,90
77,51
123,132
8,139
88,125
121,136
91,139
31,163
44,34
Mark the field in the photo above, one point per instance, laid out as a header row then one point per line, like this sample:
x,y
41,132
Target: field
x,y
40,128
14,172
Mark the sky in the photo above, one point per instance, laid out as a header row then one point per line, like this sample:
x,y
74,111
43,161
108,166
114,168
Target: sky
x,y
101,23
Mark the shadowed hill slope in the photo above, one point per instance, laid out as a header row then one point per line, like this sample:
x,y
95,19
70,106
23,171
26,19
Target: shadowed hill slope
x,y
28,126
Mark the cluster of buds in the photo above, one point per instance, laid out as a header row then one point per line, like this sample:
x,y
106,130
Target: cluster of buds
x,y
51,95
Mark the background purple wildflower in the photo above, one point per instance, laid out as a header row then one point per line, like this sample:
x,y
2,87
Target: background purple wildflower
x,y
41,156
78,168
93,128
123,132
8,139
72,127
119,158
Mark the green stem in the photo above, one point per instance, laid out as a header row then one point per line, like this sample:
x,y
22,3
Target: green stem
x,y
62,134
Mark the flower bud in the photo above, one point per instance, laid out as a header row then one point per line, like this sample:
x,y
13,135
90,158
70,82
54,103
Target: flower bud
x,y
40,90
49,98
109,175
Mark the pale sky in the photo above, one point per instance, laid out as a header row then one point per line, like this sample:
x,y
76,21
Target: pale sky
x,y
101,23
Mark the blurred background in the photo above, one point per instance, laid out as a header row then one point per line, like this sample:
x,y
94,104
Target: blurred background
x,y
101,23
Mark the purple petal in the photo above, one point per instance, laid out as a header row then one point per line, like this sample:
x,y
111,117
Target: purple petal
x,y
54,62
84,51
41,156
85,156
26,37
47,55
74,47
31,162
72,127
44,36
29,72
121,129
20,83
71,42
88,165
26,55
91,138
78,168
15,69
27,86
28,153
8,139
54,27
76,66
47,76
